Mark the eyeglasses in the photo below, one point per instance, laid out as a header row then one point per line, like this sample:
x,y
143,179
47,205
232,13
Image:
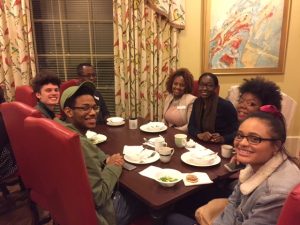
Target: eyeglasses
x,y
252,139
88,108
208,86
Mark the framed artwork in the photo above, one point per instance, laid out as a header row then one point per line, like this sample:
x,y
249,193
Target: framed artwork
x,y
245,37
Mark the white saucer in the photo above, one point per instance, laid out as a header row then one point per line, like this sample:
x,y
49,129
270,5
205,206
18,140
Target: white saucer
x,y
187,158
115,124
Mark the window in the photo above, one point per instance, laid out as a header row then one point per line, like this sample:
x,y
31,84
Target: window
x,y
69,32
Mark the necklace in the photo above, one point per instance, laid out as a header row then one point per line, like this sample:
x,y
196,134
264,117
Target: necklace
x,y
175,102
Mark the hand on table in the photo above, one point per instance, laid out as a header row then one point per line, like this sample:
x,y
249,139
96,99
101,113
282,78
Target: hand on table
x,y
217,138
205,136
115,159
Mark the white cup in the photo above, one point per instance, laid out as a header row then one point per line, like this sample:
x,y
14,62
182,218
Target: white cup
x,y
133,124
226,151
159,142
165,154
180,140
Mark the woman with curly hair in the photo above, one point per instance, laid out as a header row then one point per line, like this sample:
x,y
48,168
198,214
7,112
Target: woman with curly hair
x,y
255,93
178,104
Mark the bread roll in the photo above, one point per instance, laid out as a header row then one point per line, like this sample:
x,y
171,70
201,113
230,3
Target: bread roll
x,y
192,178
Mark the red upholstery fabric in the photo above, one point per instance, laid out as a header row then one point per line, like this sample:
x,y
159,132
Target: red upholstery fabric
x,y
56,153
290,213
26,95
68,83
14,114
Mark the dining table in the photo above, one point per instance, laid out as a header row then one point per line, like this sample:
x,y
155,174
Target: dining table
x,y
156,197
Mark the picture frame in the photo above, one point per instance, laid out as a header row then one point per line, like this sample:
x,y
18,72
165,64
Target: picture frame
x,y
245,37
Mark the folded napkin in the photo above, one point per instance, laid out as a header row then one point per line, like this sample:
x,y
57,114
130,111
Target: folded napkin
x,y
94,137
150,171
203,178
90,134
155,126
132,150
197,147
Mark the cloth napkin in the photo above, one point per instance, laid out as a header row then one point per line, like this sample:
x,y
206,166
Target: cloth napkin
x,y
132,150
203,178
150,171
94,137
197,147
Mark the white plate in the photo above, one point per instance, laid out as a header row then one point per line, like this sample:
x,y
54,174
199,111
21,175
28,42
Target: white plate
x,y
145,128
115,119
144,161
98,139
115,124
187,156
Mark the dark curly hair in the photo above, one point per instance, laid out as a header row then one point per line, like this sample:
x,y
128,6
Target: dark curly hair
x,y
266,91
188,80
43,78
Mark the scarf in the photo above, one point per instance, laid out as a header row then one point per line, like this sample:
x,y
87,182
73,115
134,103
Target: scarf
x,y
206,111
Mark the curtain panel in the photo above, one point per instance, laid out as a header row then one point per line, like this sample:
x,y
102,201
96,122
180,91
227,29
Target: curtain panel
x,y
17,62
145,53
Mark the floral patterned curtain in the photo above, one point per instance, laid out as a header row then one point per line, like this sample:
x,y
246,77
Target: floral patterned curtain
x,y
145,52
17,64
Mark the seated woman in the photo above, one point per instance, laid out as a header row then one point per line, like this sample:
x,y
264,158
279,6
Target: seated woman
x,y
256,92
263,185
213,119
178,104
46,88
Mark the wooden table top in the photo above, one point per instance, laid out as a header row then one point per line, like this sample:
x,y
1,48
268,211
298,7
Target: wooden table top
x,y
146,189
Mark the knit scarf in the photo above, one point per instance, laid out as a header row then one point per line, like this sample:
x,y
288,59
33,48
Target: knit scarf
x,y
206,110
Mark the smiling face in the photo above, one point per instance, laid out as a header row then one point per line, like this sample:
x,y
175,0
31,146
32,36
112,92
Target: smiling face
x,y
178,87
248,103
255,154
49,95
82,119
207,87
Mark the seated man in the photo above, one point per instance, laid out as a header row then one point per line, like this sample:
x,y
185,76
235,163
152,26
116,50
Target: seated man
x,y
80,113
86,72
46,88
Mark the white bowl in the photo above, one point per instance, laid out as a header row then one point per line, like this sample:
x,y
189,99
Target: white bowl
x,y
168,177
115,119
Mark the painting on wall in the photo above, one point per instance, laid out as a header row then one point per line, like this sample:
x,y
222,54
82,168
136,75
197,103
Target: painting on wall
x,y
245,36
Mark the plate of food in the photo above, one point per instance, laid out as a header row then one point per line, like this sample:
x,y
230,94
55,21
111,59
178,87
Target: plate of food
x,y
153,127
168,177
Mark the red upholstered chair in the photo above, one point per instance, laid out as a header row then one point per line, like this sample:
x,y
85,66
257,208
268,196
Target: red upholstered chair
x,y
14,114
56,153
290,213
68,83
26,95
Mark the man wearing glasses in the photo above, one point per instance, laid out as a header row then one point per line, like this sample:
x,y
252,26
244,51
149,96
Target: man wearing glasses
x,y
80,113
86,72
